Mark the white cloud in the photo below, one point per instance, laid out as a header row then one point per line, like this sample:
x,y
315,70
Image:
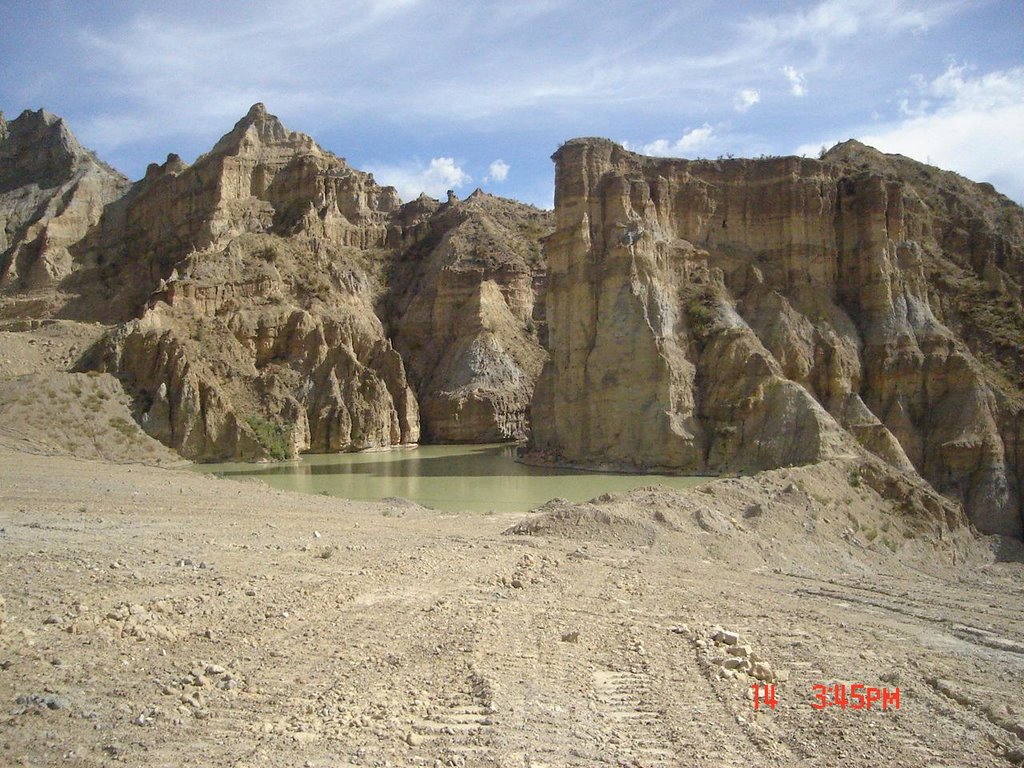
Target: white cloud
x,y
833,19
498,171
413,178
972,125
797,82
746,98
691,141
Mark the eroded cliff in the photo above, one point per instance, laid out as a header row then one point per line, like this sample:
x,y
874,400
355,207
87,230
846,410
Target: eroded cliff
x,y
739,315
52,193
253,296
463,303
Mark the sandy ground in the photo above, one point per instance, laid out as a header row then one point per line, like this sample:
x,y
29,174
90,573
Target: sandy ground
x,y
158,617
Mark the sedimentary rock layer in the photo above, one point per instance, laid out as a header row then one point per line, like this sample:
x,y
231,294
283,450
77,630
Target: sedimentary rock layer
x,y
463,309
739,315
52,192
254,294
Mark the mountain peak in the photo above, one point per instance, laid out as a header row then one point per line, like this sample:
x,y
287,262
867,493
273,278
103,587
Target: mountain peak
x,y
258,126
38,147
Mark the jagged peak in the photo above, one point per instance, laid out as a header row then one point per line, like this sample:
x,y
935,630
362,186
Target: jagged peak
x,y
258,125
39,148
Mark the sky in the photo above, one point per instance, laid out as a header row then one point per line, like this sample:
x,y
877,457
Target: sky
x,y
432,95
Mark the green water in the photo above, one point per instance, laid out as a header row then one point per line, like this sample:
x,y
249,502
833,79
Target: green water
x,y
454,478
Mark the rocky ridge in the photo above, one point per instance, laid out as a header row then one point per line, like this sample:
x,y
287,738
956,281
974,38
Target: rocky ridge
x,y
250,299
52,192
745,314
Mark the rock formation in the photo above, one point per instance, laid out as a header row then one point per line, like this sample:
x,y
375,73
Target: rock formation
x,y
244,293
52,192
463,306
738,315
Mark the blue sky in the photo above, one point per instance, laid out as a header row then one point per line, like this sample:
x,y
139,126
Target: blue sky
x,y
432,95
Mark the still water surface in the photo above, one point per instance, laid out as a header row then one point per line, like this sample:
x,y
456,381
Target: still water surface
x,y
454,478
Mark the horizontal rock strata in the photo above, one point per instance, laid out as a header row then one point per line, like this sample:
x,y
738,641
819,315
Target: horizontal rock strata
x,y
739,315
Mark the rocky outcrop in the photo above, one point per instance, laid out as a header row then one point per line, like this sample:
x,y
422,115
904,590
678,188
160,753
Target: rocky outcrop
x,y
739,315
52,193
255,294
463,313
255,270
251,351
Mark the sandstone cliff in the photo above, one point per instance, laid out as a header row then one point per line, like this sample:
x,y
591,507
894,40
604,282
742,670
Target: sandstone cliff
x,y
253,295
257,336
52,192
463,308
739,315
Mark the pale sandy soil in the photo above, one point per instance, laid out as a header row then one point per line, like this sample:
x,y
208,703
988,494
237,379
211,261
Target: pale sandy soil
x,y
157,617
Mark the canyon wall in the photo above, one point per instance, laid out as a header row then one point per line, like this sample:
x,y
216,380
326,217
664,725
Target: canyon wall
x,y
253,296
739,315
463,311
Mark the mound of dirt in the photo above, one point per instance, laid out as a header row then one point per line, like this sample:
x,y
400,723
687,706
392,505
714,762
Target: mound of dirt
x,y
853,515
75,414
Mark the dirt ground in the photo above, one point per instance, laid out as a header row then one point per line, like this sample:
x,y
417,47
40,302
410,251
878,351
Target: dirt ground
x,y
159,617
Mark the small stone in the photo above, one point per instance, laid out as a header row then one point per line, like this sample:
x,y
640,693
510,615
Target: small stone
x,y
571,637
733,662
413,739
52,619
316,534
215,669
739,650
763,671
725,637
754,510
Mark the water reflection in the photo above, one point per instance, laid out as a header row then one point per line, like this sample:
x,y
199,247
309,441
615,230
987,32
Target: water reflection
x,y
475,478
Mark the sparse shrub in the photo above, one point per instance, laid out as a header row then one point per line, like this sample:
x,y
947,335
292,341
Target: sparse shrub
x,y
871,534
123,426
701,315
855,479
271,437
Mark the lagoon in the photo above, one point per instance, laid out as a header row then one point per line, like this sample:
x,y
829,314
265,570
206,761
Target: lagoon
x,y
453,478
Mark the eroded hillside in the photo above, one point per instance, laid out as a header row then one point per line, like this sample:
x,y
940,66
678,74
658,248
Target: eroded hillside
x,y
253,296
743,315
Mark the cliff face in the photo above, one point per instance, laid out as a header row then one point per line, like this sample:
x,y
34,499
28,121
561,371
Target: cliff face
x,y
258,336
740,315
463,307
52,192
253,295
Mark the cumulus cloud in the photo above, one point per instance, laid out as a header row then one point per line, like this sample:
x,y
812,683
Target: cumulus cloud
x,y
797,82
690,142
410,179
972,124
746,98
498,171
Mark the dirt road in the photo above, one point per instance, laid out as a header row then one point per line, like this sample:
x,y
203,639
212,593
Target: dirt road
x,y
160,617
